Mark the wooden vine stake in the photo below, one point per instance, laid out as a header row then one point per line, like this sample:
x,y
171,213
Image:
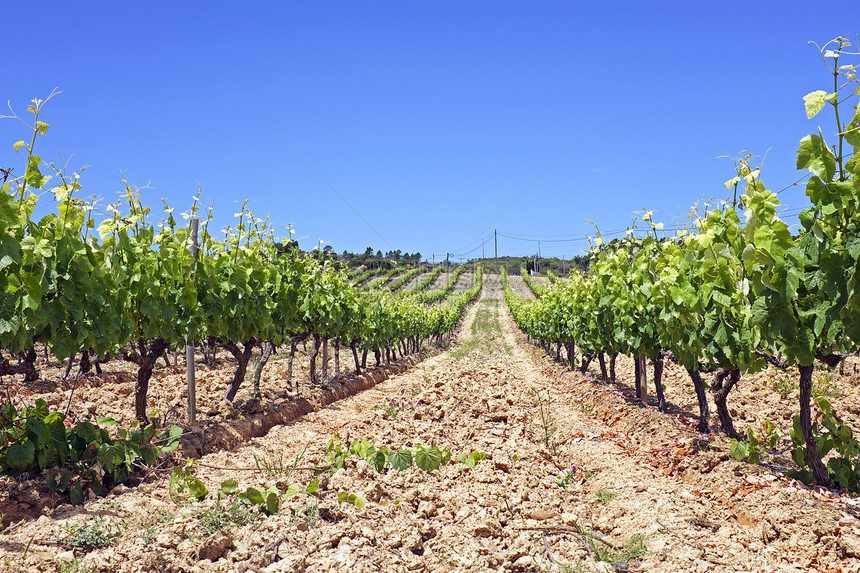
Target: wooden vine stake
x,y
189,348
643,379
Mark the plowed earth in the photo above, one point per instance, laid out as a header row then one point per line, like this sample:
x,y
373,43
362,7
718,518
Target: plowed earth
x,y
578,477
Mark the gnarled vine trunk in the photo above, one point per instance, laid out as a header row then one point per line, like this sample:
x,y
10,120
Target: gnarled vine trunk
x,y
144,357
637,374
69,367
354,347
658,382
586,362
724,381
28,358
28,369
812,455
242,356
268,349
702,397
314,377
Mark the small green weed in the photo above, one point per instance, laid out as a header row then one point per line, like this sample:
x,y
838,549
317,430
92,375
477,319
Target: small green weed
x,y
219,517
267,500
566,478
565,568
98,533
602,550
72,567
393,408
781,382
270,467
427,458
485,329
586,409
547,422
823,386
274,468
604,495
149,534
588,474
308,515
634,549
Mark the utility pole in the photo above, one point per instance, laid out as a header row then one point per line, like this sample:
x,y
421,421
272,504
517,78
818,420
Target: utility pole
x,y
482,249
562,265
496,239
538,259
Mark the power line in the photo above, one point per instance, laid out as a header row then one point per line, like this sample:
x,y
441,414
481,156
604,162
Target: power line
x,y
535,180
324,179
787,187
565,236
484,241
581,238
543,239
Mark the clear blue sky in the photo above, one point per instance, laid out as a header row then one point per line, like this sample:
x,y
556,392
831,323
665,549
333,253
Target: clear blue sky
x,y
429,118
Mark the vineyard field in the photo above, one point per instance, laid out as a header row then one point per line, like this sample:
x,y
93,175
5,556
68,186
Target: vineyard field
x,y
687,399
614,483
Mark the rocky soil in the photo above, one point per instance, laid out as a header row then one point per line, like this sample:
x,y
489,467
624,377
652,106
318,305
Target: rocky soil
x,y
578,476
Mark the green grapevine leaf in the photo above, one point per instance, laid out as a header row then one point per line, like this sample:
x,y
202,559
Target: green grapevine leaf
x,y
273,501
427,458
229,487
76,493
313,486
813,154
401,459
292,490
738,450
814,102
356,500
39,430
21,456
255,496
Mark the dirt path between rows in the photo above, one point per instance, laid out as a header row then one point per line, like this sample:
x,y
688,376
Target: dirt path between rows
x,y
576,478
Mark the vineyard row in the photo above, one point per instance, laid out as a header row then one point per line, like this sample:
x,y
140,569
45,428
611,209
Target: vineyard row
x,y
735,290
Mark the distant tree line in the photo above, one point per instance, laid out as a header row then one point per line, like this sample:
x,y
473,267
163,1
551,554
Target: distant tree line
x,y
558,266
379,260
368,258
